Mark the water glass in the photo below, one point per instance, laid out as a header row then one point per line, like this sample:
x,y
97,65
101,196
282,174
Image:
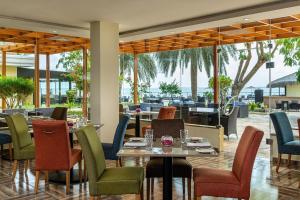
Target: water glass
x,y
184,134
149,138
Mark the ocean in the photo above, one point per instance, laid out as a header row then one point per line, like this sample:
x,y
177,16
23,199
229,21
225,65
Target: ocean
x,y
186,91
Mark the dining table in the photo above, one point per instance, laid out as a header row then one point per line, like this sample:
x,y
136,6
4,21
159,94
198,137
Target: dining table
x,y
177,149
137,115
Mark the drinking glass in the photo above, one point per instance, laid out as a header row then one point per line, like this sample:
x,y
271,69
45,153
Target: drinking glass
x,y
184,134
149,138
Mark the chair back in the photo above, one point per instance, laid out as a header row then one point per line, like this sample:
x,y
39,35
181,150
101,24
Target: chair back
x,y
245,156
59,113
53,150
167,112
92,151
18,127
170,127
46,112
120,133
283,129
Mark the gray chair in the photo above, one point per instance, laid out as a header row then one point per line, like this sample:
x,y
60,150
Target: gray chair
x,y
46,112
229,122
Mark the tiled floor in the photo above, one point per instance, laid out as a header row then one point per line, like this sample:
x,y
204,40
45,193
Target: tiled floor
x,y
266,184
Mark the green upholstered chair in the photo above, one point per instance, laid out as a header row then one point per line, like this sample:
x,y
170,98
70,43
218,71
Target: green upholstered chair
x,y
21,139
107,181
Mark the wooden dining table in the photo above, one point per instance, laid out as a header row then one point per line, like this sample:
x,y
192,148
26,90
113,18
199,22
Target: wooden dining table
x,y
167,153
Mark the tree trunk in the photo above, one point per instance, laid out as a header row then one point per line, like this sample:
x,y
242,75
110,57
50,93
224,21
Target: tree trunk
x,y
194,77
235,90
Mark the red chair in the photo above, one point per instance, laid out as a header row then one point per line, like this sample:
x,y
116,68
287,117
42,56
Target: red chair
x,y
234,183
53,151
164,113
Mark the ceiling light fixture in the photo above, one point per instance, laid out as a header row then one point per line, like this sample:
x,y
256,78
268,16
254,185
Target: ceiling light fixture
x,y
246,19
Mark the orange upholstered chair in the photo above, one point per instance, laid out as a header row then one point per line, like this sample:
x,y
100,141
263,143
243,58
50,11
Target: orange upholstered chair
x,y
164,113
53,151
234,183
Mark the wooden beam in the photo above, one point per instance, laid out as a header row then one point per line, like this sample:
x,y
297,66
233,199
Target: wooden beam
x,y
3,74
37,75
48,80
135,80
216,74
85,83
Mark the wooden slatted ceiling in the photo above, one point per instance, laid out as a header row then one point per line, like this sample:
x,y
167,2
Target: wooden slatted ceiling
x,y
49,43
284,27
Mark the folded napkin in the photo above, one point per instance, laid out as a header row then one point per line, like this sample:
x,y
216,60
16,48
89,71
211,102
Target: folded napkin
x,y
198,144
135,144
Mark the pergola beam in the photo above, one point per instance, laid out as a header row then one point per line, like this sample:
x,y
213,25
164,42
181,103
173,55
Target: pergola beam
x,y
48,100
37,75
85,83
3,73
135,79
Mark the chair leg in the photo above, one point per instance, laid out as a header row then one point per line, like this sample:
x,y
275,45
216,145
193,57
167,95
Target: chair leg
x,y
183,187
15,166
117,163
142,192
26,163
189,188
278,162
10,151
152,185
120,162
80,171
84,171
289,160
46,176
67,182
37,179
148,188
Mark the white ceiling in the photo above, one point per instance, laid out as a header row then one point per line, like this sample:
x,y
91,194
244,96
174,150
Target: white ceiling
x,y
48,15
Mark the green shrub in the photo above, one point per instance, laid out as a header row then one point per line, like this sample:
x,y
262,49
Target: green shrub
x,y
14,90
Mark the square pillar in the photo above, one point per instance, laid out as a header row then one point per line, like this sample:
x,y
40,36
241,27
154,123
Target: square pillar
x,y
104,89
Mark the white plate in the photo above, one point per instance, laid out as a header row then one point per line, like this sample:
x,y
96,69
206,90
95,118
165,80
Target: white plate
x,y
210,150
196,138
136,139
135,144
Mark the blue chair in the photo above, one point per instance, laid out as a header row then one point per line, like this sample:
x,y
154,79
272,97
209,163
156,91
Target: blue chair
x,y
6,139
285,138
111,150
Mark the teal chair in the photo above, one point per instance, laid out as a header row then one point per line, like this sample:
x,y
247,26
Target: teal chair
x,y
23,147
107,181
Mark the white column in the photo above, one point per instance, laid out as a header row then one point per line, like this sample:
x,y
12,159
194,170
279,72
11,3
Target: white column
x,y
104,94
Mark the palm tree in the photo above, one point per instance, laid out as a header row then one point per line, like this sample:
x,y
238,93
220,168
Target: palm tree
x,y
147,70
196,58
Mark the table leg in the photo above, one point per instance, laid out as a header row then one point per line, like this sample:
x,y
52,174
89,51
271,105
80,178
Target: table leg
x,y
137,126
167,178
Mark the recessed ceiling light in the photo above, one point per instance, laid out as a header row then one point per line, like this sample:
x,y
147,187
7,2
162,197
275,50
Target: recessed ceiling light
x,y
54,31
246,19
121,40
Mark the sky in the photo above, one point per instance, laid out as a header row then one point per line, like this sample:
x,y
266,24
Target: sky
x,y
260,79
